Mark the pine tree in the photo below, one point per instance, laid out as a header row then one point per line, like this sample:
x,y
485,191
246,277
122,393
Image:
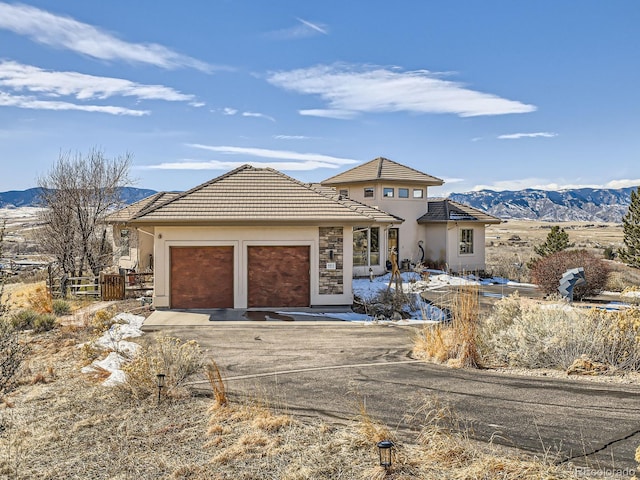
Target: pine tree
x,y
557,240
630,254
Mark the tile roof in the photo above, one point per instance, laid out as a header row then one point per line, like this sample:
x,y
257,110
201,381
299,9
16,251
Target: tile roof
x,y
125,214
258,195
383,169
445,210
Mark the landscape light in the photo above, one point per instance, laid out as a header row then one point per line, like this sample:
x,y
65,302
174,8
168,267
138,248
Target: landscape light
x,y
384,449
160,379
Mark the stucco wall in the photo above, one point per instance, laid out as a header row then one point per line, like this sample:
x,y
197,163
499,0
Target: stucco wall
x,y
241,238
465,262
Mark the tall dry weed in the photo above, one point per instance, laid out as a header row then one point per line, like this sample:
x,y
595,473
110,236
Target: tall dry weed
x,y
455,342
216,382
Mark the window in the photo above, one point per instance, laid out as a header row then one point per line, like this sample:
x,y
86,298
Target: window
x,y
403,193
366,246
418,193
387,192
466,241
343,193
368,192
125,242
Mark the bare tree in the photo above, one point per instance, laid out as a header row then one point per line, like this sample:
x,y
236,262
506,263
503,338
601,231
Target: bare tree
x,y
77,193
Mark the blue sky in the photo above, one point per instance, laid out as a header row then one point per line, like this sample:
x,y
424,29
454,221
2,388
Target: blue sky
x,y
491,94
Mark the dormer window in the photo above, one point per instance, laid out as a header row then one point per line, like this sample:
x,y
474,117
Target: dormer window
x,y
403,193
368,192
387,192
344,193
418,193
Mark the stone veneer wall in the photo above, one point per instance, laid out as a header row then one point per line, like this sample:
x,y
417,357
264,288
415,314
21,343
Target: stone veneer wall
x,y
331,281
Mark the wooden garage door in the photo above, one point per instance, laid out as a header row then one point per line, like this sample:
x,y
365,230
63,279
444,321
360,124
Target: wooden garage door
x,y
278,276
202,277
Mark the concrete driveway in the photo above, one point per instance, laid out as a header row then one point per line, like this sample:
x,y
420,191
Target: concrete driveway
x,y
322,369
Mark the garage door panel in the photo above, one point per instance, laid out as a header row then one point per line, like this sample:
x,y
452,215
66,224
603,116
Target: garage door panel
x,y
202,277
278,276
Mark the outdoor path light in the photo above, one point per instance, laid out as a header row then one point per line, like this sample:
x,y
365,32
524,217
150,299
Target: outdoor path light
x,y
160,378
384,449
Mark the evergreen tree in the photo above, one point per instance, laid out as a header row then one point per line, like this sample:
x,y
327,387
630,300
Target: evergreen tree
x,y
630,254
557,240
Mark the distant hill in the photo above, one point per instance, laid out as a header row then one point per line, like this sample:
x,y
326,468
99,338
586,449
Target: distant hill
x,y
581,204
29,198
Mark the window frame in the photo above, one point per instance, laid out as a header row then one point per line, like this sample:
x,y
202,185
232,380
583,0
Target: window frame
x,y
371,252
466,245
400,193
370,190
416,190
388,192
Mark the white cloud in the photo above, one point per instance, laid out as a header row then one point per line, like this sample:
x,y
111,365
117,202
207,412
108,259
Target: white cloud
x,y
329,113
19,101
291,137
516,136
276,154
544,184
304,29
226,165
355,89
65,32
258,115
19,77
229,111
314,26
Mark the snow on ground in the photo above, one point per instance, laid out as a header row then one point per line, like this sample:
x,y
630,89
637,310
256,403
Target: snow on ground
x,y
113,341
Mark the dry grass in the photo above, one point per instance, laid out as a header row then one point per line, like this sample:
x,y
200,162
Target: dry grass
x,y
62,424
456,342
216,382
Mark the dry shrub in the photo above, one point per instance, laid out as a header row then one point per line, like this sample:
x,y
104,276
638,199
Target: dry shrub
x,y
102,321
533,335
547,271
173,357
40,300
455,342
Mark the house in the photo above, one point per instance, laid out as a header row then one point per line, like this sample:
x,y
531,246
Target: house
x,y
251,238
255,237
447,234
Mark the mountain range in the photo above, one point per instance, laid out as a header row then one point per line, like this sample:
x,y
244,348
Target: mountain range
x,y
30,197
581,204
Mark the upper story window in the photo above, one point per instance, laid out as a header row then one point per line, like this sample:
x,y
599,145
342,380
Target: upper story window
x,y
403,193
343,192
418,193
387,192
466,241
368,192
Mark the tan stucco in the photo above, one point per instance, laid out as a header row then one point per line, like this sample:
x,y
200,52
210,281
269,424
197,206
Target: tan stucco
x,y
241,238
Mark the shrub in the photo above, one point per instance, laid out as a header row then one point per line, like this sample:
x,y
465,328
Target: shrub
x,y
171,356
40,300
30,320
12,355
553,336
547,271
102,321
61,307
44,322
23,320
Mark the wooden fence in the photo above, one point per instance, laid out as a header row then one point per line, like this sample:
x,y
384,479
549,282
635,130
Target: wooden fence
x,y
105,286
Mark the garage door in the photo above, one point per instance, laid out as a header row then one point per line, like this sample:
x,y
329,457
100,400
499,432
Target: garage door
x,y
202,277
278,276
